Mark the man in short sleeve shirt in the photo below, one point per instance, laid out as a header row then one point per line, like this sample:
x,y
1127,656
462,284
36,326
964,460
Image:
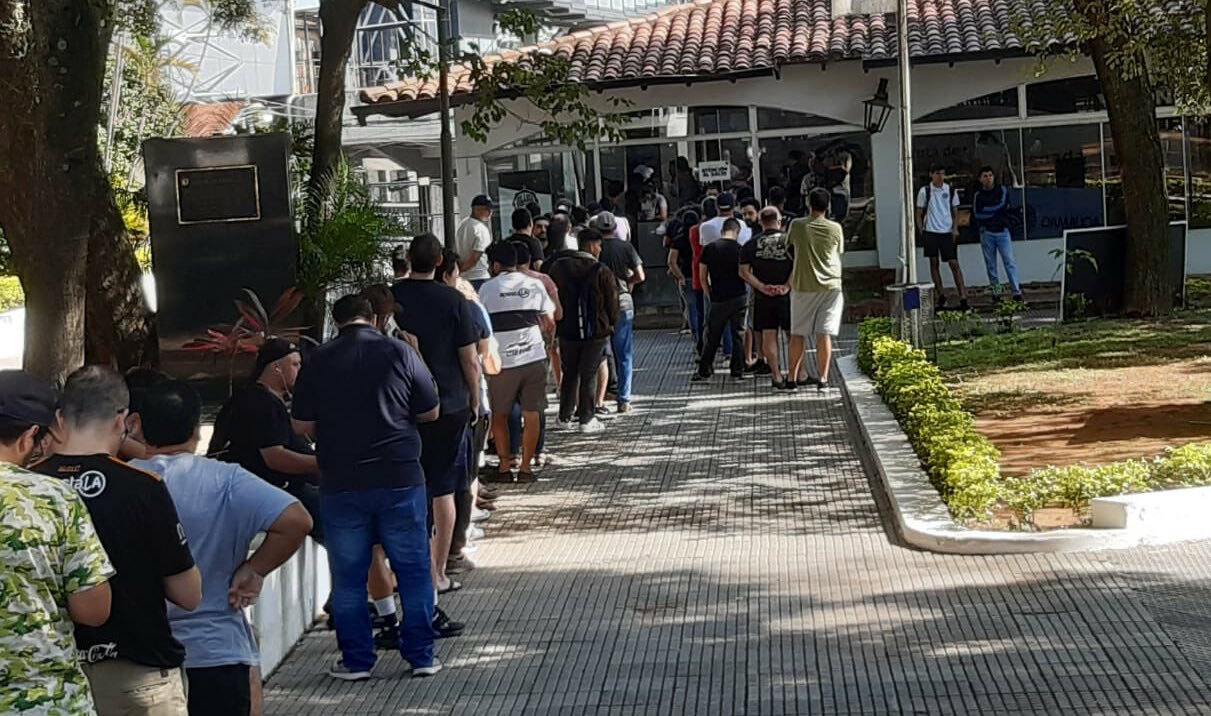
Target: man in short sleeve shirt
x,y
361,396
472,238
222,507
623,260
521,311
937,220
133,661
53,570
444,325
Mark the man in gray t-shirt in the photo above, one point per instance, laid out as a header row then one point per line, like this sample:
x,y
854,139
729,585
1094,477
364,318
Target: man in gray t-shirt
x,y
221,507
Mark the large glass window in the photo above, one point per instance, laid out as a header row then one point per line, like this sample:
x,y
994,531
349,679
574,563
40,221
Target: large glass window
x,y
1077,94
1198,139
1063,179
840,163
963,154
990,106
1175,172
785,119
545,177
737,153
719,120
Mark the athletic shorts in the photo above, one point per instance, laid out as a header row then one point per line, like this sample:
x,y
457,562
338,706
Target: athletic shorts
x,y
939,244
816,313
772,313
443,453
527,382
748,309
219,691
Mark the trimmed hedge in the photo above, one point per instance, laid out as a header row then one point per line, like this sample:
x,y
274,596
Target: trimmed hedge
x,y
11,295
965,466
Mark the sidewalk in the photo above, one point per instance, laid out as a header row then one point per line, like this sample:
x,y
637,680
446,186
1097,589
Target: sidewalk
x,y
719,551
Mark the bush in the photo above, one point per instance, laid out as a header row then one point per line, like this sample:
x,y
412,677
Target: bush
x,y
11,295
961,463
965,466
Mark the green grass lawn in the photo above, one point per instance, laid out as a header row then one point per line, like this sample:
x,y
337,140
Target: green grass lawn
x,y
1102,343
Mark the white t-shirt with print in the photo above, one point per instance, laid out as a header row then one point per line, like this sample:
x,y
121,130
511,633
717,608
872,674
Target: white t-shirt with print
x,y
514,302
473,235
938,219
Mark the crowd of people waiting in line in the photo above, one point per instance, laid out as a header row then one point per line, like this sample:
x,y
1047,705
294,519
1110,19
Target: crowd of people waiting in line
x,y
130,552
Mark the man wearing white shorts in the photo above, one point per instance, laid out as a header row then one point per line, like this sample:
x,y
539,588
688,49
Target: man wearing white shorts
x,y
815,288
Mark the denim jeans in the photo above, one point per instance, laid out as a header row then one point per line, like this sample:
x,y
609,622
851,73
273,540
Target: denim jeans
x,y
515,430
353,523
999,242
696,313
623,342
725,318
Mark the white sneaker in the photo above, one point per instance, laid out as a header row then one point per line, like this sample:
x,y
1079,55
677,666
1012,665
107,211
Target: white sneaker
x,y
344,673
474,533
478,515
564,425
430,670
593,426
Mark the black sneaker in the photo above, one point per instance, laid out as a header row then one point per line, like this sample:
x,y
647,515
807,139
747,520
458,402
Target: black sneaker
x,y
807,383
699,377
964,305
752,367
741,376
1019,298
387,638
445,626
763,369
603,413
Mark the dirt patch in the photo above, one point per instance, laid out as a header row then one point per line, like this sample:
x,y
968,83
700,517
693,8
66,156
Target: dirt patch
x,y
1090,415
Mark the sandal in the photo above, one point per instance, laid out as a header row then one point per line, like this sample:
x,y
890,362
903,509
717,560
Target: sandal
x,y
454,587
525,476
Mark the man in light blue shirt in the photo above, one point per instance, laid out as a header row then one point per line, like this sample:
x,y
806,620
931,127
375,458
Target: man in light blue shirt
x,y
221,507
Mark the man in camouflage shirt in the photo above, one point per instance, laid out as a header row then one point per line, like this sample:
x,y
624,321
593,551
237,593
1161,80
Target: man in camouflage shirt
x,y
53,570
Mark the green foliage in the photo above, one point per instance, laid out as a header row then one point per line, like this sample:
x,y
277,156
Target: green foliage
x,y
238,17
1007,312
11,295
1198,292
539,79
964,465
868,331
147,104
1164,43
345,236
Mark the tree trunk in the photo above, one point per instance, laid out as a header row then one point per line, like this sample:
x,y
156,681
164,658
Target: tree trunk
x,y
1148,289
117,322
52,63
338,19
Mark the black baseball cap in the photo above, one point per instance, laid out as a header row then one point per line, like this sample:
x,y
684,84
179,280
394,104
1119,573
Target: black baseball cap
x,y
482,200
25,398
274,350
725,201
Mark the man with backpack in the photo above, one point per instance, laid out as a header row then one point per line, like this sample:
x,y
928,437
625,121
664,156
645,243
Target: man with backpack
x,y
937,220
589,292
992,216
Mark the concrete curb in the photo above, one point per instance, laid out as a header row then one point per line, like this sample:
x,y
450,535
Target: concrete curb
x,y
924,521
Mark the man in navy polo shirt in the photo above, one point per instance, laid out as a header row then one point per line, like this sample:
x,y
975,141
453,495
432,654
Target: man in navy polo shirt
x,y
361,397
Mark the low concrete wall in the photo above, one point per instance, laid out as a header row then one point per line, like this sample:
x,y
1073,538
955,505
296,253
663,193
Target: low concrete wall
x,y
290,600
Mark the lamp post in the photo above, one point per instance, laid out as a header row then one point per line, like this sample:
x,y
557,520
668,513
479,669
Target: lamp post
x,y
443,99
909,244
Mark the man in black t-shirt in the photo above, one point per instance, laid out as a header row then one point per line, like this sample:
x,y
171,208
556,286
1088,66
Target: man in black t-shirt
x,y
253,429
621,258
132,661
766,264
719,272
445,329
523,231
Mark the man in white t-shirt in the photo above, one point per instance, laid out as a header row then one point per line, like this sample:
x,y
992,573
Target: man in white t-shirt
x,y
938,223
710,231
521,312
472,239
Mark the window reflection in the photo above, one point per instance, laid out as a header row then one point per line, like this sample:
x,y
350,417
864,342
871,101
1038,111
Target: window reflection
x,y
1175,172
963,154
1063,179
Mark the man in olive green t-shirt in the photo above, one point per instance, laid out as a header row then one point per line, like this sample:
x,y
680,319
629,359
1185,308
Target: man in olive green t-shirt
x,y
815,287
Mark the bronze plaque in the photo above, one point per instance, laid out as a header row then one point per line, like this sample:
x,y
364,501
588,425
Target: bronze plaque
x,y
218,194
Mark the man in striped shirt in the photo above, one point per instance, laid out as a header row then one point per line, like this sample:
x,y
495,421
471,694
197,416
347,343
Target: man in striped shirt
x,y
521,312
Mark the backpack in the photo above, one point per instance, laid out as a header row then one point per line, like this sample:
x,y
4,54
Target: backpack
x,y
578,297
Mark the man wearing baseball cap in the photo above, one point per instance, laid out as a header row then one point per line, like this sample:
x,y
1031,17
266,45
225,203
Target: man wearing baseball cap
x,y
712,230
55,571
472,239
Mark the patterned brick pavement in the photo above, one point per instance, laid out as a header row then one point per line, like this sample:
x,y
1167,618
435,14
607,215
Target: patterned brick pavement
x,y
719,551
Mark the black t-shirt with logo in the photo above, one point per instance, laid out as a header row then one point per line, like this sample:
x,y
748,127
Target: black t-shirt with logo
x,y
722,261
138,526
769,256
253,419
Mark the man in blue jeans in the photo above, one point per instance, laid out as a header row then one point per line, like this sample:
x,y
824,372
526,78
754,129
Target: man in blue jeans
x,y
992,216
361,397
623,260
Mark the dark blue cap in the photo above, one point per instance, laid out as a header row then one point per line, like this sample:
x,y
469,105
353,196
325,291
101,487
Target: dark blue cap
x,y
25,398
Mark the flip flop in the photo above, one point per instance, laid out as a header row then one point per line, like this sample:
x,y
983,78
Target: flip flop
x,y
454,587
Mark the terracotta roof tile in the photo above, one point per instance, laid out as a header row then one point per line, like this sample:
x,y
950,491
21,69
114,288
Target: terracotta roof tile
x,y
211,118
718,38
